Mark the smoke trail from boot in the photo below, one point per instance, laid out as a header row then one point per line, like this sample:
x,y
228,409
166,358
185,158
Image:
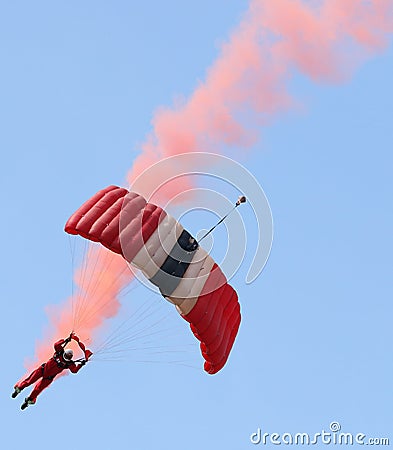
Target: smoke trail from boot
x,y
99,281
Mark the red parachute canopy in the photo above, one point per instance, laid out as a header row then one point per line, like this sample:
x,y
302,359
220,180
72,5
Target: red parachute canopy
x,y
153,241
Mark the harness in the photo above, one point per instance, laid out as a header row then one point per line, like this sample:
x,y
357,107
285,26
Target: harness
x,y
57,357
61,363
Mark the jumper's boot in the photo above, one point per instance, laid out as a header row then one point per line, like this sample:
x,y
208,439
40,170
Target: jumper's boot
x,y
16,392
26,403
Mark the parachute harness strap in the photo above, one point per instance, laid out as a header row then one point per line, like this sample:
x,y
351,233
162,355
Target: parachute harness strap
x,y
82,346
80,360
241,199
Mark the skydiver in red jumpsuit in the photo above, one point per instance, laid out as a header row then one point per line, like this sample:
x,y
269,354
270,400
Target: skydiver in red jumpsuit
x,y
46,373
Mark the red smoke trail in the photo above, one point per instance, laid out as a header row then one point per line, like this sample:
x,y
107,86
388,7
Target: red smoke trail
x,y
323,40
99,281
244,88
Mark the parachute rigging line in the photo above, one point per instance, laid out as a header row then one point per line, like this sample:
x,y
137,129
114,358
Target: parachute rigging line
x,y
241,199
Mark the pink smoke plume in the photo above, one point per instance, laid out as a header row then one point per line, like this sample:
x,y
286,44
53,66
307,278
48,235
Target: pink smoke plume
x,y
244,88
99,282
247,84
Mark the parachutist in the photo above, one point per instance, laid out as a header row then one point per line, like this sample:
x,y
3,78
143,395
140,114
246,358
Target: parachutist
x,y
46,372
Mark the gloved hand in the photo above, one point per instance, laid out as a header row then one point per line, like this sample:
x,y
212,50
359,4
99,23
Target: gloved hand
x,y
71,336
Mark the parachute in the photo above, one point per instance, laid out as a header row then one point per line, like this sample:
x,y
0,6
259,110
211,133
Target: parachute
x,y
153,241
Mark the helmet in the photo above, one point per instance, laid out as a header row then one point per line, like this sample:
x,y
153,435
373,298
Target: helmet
x,y
68,354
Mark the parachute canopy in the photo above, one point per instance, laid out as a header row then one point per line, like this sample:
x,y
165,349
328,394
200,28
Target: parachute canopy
x,y
154,242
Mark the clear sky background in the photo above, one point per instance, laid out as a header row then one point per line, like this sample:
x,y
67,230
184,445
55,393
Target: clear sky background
x,y
79,82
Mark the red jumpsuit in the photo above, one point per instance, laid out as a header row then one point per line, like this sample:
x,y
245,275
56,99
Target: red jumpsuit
x,y
48,371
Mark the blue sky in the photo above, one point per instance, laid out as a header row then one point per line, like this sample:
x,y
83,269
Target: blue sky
x,y
79,84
